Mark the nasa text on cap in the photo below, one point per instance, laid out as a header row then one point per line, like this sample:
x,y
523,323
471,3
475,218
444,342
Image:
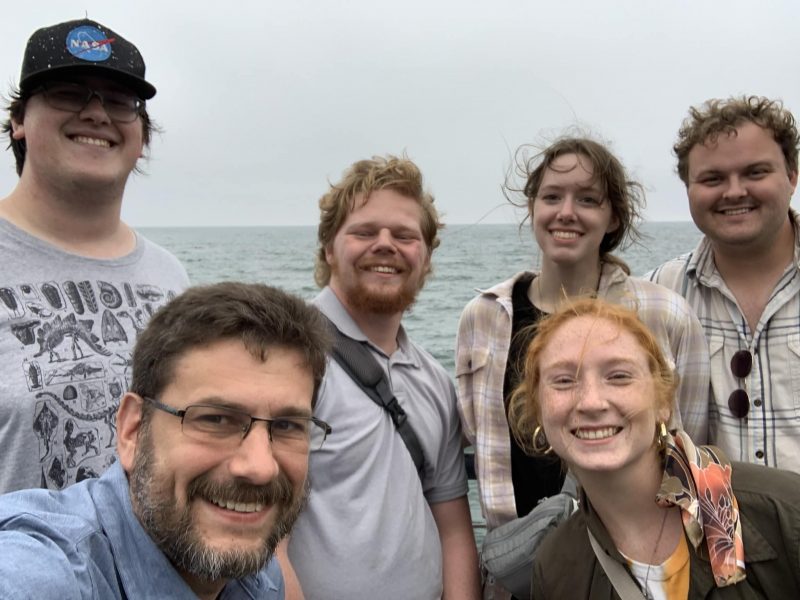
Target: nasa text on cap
x,y
83,47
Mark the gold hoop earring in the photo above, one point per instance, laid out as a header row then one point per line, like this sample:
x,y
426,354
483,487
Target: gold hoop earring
x,y
661,436
540,443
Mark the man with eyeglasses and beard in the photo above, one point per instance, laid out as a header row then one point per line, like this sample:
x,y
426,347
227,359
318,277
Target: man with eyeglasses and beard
x,y
375,526
76,283
738,158
213,442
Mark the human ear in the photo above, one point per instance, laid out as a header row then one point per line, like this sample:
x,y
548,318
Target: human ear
x,y
17,130
129,422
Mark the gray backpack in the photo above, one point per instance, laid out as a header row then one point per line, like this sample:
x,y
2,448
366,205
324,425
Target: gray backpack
x,y
507,552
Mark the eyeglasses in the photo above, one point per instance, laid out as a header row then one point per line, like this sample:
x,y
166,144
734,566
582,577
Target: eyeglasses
x,y
226,427
739,401
120,106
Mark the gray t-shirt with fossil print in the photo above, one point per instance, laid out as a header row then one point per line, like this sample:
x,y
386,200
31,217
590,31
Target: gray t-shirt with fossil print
x,y
67,330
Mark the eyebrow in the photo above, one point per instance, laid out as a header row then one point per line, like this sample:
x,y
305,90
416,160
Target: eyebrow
x,y
375,225
561,364
292,411
576,365
758,163
281,411
594,187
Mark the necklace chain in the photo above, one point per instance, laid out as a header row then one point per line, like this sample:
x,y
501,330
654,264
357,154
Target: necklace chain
x,y
647,593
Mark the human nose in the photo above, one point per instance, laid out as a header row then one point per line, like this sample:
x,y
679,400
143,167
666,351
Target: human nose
x,y
385,240
95,110
566,209
591,396
735,188
254,459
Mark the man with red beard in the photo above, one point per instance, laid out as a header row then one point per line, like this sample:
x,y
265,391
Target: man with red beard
x,y
374,524
213,443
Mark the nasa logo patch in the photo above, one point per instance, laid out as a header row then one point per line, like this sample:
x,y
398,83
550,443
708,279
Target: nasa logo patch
x,y
89,43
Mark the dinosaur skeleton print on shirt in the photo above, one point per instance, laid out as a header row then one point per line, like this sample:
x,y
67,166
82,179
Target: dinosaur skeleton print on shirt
x,y
75,340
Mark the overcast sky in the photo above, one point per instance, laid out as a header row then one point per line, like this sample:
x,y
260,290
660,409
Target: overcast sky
x,y
263,102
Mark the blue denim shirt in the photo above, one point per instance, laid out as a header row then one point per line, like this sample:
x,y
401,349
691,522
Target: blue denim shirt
x,y
85,542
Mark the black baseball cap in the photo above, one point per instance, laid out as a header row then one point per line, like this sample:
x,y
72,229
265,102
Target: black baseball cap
x,y
83,47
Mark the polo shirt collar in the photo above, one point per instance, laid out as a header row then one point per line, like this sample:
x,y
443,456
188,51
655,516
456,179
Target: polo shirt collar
x,y
328,302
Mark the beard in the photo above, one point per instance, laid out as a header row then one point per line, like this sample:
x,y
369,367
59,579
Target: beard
x,y
375,299
173,529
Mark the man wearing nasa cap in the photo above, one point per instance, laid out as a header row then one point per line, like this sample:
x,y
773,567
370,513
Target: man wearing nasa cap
x,y
76,283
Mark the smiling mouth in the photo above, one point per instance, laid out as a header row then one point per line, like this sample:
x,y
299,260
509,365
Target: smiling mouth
x,y
383,269
565,235
240,507
596,434
83,139
732,212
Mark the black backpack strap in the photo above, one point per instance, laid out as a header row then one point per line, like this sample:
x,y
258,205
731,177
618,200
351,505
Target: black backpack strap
x,y
359,364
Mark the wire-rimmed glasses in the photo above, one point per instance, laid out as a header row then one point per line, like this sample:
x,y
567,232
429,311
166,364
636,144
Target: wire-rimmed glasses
x,y
119,105
226,427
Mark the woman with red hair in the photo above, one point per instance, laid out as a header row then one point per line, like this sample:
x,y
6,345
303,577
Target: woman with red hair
x,y
660,517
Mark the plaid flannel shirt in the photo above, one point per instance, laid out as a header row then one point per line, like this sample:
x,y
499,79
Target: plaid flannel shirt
x,y
770,433
484,336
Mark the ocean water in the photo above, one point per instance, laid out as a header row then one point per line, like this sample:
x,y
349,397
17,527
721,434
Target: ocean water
x,y
469,257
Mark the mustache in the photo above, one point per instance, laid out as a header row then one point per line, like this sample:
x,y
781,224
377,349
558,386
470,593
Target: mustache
x,y
277,491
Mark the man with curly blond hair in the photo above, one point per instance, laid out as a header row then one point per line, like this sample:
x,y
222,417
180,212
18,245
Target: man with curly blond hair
x,y
374,524
738,160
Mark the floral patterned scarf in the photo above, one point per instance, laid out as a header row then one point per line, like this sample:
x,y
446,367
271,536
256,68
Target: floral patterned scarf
x,y
698,479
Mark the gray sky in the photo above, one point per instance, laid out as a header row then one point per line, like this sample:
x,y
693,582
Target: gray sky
x,y
263,102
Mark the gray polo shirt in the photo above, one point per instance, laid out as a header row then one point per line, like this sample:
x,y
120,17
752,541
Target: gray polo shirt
x,y
368,528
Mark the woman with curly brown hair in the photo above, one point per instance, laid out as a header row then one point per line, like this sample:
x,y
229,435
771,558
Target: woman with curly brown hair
x,y
582,207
